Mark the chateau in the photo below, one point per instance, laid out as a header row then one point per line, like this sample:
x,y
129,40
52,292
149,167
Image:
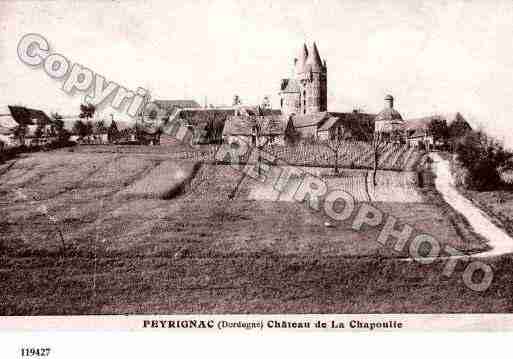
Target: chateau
x,y
307,92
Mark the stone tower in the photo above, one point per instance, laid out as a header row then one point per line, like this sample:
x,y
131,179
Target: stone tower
x,y
306,92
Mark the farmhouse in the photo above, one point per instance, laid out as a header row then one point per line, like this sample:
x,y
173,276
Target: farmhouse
x,y
206,124
256,129
330,125
346,125
417,132
36,125
307,126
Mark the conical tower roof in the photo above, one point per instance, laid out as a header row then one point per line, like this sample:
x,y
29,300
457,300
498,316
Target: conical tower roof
x,y
301,61
314,62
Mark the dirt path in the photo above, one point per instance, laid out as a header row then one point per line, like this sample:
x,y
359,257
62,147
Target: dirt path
x,y
499,240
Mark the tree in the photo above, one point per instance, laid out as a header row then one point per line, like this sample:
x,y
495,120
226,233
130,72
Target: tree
x,y
113,132
337,138
87,111
59,130
57,127
457,130
100,127
439,130
89,129
260,141
237,100
378,144
80,129
483,158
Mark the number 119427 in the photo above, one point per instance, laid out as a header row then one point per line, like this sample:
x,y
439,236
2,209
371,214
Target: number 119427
x,y
35,352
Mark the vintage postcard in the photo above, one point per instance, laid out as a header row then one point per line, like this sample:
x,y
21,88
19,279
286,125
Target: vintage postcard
x,y
274,166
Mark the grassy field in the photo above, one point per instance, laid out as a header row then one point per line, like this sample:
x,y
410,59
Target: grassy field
x,y
73,242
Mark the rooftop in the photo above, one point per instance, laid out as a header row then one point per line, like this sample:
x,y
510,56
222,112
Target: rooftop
x,y
390,115
248,125
171,104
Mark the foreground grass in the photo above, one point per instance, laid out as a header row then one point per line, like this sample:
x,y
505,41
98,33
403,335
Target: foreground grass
x,y
261,283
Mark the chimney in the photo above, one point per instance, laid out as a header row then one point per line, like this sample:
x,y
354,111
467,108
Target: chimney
x,y
389,101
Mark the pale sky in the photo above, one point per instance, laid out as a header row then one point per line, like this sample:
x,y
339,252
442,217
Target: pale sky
x,y
432,56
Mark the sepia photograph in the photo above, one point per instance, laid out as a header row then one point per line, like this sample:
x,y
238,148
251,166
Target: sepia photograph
x,y
307,164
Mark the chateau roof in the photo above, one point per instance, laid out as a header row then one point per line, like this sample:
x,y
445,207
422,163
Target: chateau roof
x,y
301,61
314,62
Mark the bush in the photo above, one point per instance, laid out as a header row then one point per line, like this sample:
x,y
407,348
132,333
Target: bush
x,y
481,159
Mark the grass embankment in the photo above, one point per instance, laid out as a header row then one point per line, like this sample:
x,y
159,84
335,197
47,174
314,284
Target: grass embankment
x,y
497,203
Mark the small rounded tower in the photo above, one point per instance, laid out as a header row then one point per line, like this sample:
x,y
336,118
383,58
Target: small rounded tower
x,y
389,119
389,101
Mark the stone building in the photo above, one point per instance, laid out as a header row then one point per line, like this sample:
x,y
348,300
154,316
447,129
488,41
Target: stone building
x,y
257,130
389,121
307,91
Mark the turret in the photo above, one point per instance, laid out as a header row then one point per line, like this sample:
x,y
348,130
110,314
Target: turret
x,y
389,101
301,60
314,63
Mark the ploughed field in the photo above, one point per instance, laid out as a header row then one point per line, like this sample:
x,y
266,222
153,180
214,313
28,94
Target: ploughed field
x,y
90,232
351,154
